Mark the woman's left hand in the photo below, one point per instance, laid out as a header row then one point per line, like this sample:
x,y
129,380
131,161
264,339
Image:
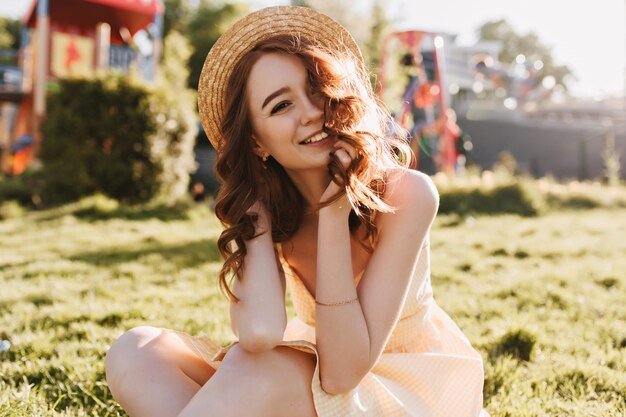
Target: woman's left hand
x,y
346,154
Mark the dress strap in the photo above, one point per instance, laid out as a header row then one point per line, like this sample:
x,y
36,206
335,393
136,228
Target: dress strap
x,y
281,257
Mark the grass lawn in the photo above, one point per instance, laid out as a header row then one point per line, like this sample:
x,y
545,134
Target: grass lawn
x,y
542,298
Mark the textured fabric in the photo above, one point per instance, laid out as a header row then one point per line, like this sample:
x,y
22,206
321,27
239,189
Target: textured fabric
x,y
428,367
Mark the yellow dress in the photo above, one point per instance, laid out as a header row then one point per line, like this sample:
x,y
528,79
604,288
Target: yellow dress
x,y
428,367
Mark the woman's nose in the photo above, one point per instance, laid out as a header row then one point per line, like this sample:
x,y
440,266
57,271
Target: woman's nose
x,y
312,111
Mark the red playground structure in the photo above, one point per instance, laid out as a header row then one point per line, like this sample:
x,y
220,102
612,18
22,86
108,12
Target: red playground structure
x,y
425,111
71,38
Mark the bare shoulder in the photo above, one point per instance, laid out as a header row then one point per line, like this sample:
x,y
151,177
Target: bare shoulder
x,y
411,188
415,201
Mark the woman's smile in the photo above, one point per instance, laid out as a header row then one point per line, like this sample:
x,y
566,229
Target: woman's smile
x,y
318,140
314,138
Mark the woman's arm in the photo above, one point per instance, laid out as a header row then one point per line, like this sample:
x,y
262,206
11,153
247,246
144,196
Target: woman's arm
x,y
352,337
259,318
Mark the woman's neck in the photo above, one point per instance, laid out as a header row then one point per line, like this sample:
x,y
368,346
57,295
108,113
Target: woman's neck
x,y
311,184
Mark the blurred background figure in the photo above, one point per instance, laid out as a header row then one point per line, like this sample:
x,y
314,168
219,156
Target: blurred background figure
x,y
450,132
198,192
418,112
22,152
423,105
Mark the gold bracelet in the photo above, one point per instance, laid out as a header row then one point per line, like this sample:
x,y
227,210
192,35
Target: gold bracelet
x,y
340,303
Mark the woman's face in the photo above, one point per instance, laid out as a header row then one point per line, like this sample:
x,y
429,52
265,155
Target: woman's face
x,y
286,115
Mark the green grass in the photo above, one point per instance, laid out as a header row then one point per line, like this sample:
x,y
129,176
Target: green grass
x,y
542,298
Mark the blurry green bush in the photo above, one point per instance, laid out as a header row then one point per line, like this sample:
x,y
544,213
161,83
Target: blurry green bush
x,y
13,188
24,189
98,138
515,198
500,192
115,136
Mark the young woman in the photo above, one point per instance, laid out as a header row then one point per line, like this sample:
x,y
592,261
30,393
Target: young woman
x,y
317,197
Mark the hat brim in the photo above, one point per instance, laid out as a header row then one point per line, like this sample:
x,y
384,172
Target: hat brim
x,y
242,37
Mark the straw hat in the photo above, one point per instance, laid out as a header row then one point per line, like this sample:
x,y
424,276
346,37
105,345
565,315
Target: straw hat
x,y
243,36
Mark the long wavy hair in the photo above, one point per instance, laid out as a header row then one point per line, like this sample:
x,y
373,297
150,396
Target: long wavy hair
x,y
351,112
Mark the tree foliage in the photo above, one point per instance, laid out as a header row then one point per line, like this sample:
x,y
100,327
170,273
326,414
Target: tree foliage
x,y
380,27
355,19
201,22
529,45
204,28
175,105
176,15
9,33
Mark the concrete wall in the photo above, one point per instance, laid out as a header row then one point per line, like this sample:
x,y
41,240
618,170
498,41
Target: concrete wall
x,y
565,149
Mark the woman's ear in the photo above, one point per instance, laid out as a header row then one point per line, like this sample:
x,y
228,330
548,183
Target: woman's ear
x,y
258,150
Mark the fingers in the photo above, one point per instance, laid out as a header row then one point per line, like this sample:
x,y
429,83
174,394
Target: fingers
x,y
344,157
349,149
345,152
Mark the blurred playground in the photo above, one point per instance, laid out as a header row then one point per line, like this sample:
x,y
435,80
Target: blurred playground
x,y
462,105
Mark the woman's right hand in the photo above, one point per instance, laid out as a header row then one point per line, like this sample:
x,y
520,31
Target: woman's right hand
x,y
263,222
346,154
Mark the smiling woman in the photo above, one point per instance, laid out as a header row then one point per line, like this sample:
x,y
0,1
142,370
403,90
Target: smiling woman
x,y
315,187
281,95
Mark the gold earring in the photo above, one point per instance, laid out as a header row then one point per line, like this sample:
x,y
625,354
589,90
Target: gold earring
x,y
265,156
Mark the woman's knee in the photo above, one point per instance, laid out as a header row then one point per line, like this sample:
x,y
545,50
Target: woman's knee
x,y
128,351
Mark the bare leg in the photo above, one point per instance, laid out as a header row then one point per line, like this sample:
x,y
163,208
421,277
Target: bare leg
x,y
275,383
151,372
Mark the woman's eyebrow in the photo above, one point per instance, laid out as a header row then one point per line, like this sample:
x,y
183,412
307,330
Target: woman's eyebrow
x,y
274,95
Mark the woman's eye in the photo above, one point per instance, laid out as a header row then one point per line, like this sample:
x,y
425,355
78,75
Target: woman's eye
x,y
280,106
